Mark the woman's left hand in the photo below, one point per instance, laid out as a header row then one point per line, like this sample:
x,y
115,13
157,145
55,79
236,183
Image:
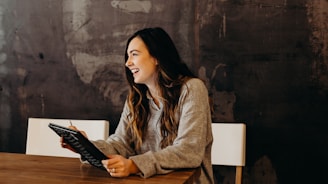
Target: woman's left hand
x,y
118,166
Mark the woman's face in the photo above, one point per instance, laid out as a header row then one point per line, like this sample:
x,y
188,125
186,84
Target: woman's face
x,y
141,63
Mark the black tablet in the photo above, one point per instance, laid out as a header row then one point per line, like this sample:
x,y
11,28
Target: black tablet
x,y
81,144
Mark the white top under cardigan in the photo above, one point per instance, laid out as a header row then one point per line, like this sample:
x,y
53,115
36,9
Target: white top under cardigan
x,y
190,149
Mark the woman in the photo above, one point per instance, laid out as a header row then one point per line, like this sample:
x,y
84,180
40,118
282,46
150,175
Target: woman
x,y
166,122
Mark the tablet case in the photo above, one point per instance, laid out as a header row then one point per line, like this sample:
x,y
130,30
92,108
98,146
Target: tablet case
x,y
81,144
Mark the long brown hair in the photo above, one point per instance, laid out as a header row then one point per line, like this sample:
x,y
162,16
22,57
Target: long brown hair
x,y
172,74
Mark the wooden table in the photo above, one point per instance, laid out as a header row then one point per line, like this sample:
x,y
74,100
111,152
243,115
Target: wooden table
x,y
21,168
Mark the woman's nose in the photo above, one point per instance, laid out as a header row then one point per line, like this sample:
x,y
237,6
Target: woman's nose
x,y
128,63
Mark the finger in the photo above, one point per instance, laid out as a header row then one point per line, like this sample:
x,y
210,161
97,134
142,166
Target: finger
x,y
63,145
104,162
61,140
113,161
84,134
118,173
67,146
109,167
72,127
113,172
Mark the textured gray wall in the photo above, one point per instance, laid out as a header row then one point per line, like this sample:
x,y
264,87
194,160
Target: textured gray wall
x,y
264,62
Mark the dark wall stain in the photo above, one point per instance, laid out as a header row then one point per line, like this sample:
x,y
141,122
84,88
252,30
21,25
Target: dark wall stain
x,y
264,63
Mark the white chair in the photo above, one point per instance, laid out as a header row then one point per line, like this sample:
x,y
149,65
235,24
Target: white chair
x,y
41,140
229,146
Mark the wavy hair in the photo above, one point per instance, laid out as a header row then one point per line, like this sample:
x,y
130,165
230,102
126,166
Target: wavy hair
x,y
172,74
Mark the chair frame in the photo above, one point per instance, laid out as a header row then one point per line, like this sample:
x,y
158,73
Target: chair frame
x,y
229,146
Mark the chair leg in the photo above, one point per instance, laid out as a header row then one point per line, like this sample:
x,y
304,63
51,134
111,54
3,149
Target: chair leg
x,y
239,174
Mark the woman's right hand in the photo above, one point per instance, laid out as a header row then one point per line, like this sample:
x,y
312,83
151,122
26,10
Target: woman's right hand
x,y
67,146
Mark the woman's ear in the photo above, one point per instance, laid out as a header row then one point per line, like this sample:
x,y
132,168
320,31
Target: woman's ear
x,y
156,61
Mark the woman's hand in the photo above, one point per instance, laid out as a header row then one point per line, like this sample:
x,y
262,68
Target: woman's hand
x,y
67,146
118,166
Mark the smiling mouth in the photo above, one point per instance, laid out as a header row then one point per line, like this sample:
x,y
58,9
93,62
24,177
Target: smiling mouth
x,y
134,70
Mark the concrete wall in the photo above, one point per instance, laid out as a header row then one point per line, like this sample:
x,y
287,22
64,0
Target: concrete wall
x,y
265,63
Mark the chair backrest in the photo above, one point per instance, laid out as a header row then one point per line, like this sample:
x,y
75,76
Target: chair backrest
x,y
229,146
41,140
